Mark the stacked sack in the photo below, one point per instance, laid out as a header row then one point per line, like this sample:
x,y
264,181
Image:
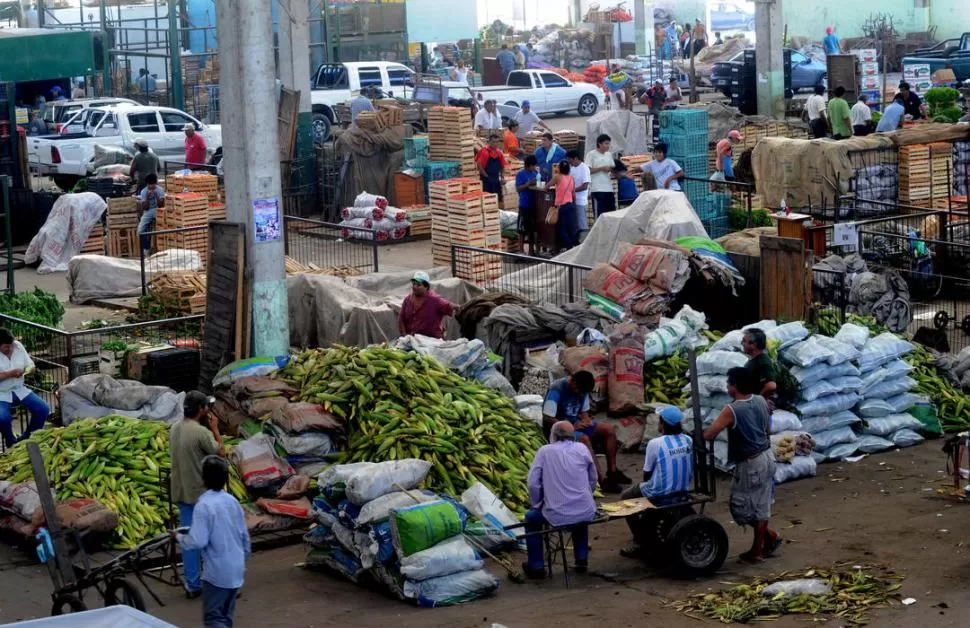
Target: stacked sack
x,y
283,505
373,213
374,525
305,432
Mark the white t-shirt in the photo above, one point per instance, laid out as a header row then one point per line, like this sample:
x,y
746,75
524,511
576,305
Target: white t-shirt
x,y
488,120
860,114
581,176
663,170
600,181
815,106
19,359
527,122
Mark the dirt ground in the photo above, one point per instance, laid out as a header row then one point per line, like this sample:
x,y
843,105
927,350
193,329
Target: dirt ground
x,y
885,509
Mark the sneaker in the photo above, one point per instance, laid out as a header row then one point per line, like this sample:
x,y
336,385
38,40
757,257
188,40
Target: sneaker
x,y
533,573
581,566
609,485
619,477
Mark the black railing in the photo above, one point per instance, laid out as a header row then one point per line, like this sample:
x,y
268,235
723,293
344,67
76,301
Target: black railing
x,y
178,250
328,245
534,278
724,206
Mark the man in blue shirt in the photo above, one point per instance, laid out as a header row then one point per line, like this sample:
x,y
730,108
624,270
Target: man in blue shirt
x,y
525,182
146,82
548,154
361,103
626,187
152,197
666,172
506,60
219,531
831,42
892,117
568,400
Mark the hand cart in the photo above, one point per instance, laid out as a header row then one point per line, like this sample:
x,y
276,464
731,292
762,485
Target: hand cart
x,y
72,574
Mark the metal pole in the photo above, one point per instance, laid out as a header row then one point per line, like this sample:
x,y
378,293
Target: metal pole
x,y
5,183
105,46
175,56
41,13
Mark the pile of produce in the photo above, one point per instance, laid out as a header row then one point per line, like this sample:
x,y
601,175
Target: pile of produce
x,y
595,74
115,460
952,404
36,306
401,405
846,594
664,380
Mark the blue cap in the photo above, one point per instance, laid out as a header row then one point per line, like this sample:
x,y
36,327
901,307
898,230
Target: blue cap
x,y
56,89
526,103
671,415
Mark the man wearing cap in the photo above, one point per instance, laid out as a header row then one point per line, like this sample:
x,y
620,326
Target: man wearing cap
x,y
361,103
668,469
195,148
58,93
143,164
190,441
725,154
423,310
528,120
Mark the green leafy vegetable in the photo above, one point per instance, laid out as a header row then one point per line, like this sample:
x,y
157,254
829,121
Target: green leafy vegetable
x,y
36,306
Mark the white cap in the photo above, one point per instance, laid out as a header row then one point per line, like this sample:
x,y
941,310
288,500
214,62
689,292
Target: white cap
x,y
421,276
141,141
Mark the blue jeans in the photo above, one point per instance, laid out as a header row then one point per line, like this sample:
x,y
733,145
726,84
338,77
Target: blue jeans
x,y
567,226
534,522
218,606
145,225
38,416
191,559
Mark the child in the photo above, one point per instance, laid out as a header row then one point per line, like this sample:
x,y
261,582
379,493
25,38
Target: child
x,y
566,203
525,182
152,197
626,186
219,531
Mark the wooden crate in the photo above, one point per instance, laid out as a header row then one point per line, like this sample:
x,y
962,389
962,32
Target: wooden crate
x,y
122,212
184,210
124,242
94,245
370,121
217,211
196,182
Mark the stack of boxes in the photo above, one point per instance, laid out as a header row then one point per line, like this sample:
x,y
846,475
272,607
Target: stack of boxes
x,y
462,214
440,192
123,227
870,80
684,131
452,138
189,209
914,176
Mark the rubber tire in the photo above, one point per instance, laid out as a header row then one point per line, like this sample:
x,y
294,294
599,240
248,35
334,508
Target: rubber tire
x,y
941,320
66,181
587,102
121,592
685,531
72,601
322,128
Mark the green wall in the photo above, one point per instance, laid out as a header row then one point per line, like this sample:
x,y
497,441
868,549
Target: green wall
x,y
951,17
809,19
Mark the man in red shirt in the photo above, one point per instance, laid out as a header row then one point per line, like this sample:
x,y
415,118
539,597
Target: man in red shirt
x,y
423,311
195,147
491,166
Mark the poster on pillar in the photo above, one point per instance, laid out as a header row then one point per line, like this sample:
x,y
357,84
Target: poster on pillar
x,y
441,21
266,219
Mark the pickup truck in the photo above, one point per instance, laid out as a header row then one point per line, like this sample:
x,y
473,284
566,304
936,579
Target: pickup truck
x,y
546,91
66,157
952,53
58,111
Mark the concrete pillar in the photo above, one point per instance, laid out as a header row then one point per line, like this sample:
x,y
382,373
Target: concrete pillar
x,y
640,22
770,59
251,150
175,56
294,71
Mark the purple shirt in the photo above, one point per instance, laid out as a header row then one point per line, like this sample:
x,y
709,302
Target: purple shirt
x,y
561,483
426,320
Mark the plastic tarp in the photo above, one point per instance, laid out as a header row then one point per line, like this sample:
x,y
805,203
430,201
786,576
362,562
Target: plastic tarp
x,y
363,310
91,277
66,231
657,215
99,395
627,131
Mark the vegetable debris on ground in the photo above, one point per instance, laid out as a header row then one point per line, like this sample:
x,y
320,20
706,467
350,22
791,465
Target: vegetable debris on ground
x,y
855,590
403,405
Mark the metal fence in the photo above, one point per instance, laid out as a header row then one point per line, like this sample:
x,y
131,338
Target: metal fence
x,y
724,206
329,245
930,223
534,278
179,250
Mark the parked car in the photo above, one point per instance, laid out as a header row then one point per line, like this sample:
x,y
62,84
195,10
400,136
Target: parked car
x,y
806,73
58,111
66,157
547,92
952,53
729,17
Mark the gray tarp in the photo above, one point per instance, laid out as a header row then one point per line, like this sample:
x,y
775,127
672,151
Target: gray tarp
x,y
370,161
358,311
627,131
99,395
91,277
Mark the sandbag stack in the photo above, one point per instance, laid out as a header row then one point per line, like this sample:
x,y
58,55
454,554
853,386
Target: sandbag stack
x,y
374,525
372,217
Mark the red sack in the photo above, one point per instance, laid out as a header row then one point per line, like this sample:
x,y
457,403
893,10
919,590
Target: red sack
x,y
299,508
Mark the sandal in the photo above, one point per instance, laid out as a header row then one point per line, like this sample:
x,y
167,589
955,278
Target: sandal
x,y
771,548
749,558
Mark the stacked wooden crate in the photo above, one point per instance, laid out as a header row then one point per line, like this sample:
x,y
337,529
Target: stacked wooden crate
x,y
567,139
915,186
941,169
123,227
440,192
420,218
180,292
217,211
94,245
478,213
200,182
452,138
190,209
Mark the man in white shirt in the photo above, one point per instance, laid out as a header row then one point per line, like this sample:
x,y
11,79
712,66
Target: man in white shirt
x,y
14,364
815,107
860,115
601,164
528,120
581,176
488,119
666,172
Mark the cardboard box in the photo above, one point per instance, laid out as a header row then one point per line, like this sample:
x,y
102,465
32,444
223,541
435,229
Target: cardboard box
x,y
867,55
870,82
916,71
945,75
869,69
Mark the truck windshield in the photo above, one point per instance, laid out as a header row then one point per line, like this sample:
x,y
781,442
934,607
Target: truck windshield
x,y
332,77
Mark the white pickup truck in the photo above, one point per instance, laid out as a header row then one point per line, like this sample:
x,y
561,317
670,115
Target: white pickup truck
x,y
546,91
66,157
336,83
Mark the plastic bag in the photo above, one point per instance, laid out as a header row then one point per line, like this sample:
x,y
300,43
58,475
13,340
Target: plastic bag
x,y
799,467
842,352
445,558
806,354
488,508
853,335
257,463
874,409
893,423
793,588
840,451
250,367
905,438
416,528
819,372
590,336
902,403
340,473
847,383
386,477
925,412
365,199
719,362
816,424
787,334
491,378
730,341
828,405
870,444
453,589
891,388
883,348
309,445
784,421
20,499
819,389
829,438
381,507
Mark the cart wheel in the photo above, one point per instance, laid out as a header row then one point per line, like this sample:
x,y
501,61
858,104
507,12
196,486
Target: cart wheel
x,y
122,592
941,320
698,546
965,325
65,604
655,527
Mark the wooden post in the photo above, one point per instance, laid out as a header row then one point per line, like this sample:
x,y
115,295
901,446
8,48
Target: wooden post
x,y
62,573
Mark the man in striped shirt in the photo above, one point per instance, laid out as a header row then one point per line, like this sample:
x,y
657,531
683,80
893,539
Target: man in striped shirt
x,y
668,469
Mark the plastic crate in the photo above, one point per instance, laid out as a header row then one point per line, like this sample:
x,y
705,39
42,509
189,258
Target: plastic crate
x,y
692,166
176,368
684,121
85,365
108,188
685,145
441,170
695,189
416,151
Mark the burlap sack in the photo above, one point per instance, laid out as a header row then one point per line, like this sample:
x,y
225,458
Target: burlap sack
x,y
657,268
299,508
81,514
230,418
294,487
258,408
611,283
255,386
304,417
590,358
625,381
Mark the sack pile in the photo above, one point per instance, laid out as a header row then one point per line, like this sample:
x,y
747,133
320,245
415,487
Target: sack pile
x,y
283,505
22,514
372,217
374,525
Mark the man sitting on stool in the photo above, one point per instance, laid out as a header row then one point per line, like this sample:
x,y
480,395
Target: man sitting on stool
x,y
561,484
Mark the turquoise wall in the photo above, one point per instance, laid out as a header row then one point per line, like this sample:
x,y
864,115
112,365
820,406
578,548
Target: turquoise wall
x,y
951,17
809,19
